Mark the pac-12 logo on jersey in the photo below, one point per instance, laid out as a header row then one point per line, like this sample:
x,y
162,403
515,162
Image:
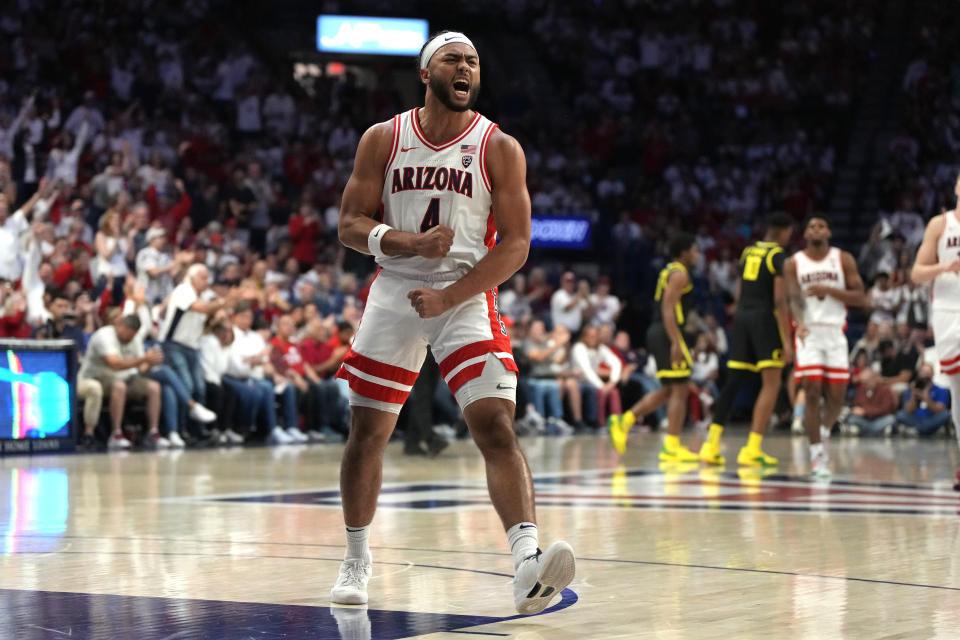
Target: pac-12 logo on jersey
x,y
467,150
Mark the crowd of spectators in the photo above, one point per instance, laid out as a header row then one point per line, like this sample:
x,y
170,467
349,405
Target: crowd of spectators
x,y
171,205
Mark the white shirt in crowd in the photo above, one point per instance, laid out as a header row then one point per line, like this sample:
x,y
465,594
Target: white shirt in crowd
x,y
214,358
705,364
884,304
589,361
245,344
182,325
606,308
572,319
158,287
104,342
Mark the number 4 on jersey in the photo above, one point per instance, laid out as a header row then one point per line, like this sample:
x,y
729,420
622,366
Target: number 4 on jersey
x,y
432,217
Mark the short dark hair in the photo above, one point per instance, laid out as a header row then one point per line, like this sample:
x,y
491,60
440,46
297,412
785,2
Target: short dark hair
x,y
343,325
132,321
243,305
679,243
817,216
779,220
56,293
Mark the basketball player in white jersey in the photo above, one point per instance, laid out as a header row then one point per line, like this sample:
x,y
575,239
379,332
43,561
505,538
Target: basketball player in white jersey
x,y
822,281
430,192
938,259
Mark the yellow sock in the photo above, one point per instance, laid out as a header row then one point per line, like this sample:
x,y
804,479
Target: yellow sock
x,y
671,443
753,442
628,420
715,431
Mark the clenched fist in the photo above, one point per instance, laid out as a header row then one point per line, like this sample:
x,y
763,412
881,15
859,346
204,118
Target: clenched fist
x,y
428,303
435,243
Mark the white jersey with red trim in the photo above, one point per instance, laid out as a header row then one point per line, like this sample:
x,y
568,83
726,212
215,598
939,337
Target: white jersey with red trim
x,y
428,184
945,294
826,311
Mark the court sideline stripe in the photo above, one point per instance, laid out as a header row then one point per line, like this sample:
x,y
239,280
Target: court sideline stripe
x,y
457,551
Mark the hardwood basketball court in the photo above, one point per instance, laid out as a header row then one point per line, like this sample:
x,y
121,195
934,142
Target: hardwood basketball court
x,y
245,543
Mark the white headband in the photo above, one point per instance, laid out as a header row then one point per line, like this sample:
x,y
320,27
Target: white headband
x,y
439,41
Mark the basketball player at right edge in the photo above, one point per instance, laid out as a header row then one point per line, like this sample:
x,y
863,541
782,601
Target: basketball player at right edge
x,y
938,259
822,281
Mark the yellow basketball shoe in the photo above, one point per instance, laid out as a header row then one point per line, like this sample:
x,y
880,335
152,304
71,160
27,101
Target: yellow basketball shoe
x,y
673,451
755,457
710,453
618,432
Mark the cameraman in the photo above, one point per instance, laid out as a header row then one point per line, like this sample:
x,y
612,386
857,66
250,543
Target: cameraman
x,y
926,406
62,324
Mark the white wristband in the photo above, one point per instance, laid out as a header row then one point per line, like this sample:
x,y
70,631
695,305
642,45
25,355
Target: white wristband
x,y
374,239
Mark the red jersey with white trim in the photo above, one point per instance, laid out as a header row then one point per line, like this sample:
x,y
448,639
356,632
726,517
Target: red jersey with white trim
x,y
945,294
430,183
827,311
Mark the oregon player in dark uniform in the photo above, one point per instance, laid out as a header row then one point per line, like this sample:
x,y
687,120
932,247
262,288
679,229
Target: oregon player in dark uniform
x,y
668,345
760,341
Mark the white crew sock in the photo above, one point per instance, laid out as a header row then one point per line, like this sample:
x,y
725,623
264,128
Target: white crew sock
x,y
816,450
523,541
357,544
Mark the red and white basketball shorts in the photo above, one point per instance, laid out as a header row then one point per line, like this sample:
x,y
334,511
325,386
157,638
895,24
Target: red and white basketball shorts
x,y
946,337
822,357
391,344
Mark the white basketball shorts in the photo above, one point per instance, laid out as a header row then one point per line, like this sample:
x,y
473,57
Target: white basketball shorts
x,y
386,355
946,337
823,357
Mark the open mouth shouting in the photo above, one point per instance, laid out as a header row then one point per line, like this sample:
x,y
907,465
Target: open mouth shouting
x,y
461,88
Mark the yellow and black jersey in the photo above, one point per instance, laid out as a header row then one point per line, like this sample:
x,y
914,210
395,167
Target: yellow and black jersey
x,y
755,341
760,264
684,305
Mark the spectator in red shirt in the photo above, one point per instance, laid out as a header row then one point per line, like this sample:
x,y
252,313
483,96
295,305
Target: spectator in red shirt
x,y
324,354
305,228
77,267
289,363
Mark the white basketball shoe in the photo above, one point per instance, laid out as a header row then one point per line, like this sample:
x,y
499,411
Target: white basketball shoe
x,y
820,465
542,577
351,585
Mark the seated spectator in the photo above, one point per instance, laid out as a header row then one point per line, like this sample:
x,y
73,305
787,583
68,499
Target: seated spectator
x,y
62,324
543,351
215,358
926,407
703,377
324,359
599,371
635,363
897,367
874,405
288,362
118,362
247,371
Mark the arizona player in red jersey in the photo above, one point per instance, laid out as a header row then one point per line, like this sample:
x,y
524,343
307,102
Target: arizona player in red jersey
x,y
430,192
